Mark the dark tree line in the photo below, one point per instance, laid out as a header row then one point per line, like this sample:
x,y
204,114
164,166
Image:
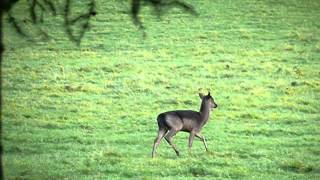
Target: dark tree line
x,y
74,26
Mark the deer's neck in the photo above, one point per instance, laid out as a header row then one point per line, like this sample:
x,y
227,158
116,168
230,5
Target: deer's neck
x,y
204,112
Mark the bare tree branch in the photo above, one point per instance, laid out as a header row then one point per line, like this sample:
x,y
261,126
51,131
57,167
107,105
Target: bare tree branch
x,y
179,4
76,25
51,6
6,5
158,6
82,19
135,9
12,20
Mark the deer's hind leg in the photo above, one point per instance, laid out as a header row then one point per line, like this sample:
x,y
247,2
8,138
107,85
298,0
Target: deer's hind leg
x,y
169,137
157,141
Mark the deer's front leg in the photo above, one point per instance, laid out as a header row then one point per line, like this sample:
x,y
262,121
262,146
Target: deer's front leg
x,y
191,137
198,135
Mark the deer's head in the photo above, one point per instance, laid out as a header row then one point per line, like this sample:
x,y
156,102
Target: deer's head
x,y
208,100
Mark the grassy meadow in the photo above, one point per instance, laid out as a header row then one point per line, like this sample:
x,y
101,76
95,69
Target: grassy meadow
x,y
89,112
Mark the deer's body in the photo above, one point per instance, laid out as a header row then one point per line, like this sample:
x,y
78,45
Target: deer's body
x,y
181,120
171,122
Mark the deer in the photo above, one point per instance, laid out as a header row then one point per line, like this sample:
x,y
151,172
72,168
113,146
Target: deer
x,y
172,122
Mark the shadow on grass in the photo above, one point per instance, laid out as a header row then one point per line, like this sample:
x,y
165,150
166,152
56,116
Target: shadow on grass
x,y
297,167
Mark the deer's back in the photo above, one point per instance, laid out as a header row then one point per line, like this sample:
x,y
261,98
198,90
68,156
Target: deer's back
x,y
185,120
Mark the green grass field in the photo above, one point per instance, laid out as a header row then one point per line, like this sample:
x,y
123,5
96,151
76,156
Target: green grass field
x,y
89,112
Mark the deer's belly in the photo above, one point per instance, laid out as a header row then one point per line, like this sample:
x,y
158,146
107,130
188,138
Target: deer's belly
x,y
188,126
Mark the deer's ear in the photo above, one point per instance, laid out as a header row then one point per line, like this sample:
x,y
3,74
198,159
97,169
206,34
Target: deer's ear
x,y
208,94
201,95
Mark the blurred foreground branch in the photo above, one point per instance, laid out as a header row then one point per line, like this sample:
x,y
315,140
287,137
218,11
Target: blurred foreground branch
x,y
75,25
159,7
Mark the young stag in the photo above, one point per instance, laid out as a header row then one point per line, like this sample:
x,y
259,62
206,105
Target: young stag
x,y
171,122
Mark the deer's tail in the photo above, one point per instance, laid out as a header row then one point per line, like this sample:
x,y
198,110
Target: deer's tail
x,y
162,124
